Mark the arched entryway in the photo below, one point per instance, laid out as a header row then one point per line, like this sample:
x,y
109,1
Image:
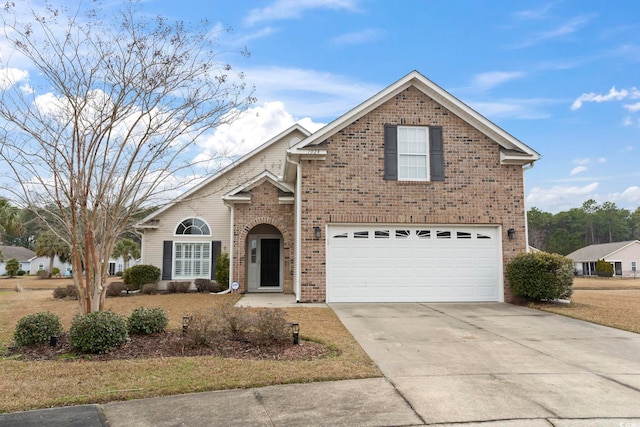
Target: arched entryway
x,y
264,259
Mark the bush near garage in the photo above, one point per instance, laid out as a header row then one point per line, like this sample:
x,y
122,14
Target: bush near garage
x,y
604,269
541,276
98,332
138,275
37,328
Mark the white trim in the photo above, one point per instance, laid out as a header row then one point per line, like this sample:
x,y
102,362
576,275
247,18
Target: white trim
x,y
232,196
191,276
231,245
175,228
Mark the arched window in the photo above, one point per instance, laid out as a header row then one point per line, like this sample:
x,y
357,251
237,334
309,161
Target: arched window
x,y
193,226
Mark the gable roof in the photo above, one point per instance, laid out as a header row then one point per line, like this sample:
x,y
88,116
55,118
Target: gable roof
x,y
601,251
513,150
238,162
236,195
17,252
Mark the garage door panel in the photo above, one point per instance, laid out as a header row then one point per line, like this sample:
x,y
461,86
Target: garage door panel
x,y
413,263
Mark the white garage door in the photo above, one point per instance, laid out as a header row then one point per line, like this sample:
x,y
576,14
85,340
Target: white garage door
x,y
374,263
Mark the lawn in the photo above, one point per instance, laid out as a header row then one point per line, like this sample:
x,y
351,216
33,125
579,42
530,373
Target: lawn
x,y
29,385
610,302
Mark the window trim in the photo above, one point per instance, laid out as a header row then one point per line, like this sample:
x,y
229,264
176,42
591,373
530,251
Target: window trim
x,y
204,260
426,155
205,223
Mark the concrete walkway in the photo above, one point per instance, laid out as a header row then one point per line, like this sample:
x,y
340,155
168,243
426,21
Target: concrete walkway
x,y
444,364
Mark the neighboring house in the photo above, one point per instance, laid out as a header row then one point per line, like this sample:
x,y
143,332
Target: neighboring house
x,y
23,255
42,263
623,256
410,196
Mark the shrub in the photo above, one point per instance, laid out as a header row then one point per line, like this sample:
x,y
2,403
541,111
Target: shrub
x,y
178,287
37,328
12,266
21,273
222,271
68,291
604,269
55,271
145,321
115,289
149,289
98,332
226,323
270,327
119,273
138,275
541,276
43,274
207,285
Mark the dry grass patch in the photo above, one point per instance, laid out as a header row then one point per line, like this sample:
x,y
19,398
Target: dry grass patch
x,y
615,308
605,283
29,385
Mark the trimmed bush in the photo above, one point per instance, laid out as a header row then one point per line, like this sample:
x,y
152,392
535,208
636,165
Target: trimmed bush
x,y
149,289
138,275
178,287
55,271
227,322
68,291
541,276
98,332
37,329
604,269
206,285
145,321
115,289
270,327
43,274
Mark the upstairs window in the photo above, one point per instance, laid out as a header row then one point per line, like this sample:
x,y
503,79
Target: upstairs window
x,y
413,153
193,227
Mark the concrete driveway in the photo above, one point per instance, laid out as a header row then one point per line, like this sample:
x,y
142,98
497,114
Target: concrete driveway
x,y
493,361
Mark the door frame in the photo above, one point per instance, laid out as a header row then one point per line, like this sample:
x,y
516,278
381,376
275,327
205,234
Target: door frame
x,y
253,264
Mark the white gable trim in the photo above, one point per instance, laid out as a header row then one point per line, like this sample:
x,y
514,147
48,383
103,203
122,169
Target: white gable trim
x,y
481,123
234,196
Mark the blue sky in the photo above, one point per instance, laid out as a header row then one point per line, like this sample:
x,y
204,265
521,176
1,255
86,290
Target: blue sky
x,y
561,76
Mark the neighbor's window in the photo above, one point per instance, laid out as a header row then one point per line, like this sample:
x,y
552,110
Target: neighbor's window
x,y
193,226
192,259
413,153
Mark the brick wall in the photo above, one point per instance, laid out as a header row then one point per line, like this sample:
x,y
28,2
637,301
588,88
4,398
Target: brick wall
x,y
348,187
263,209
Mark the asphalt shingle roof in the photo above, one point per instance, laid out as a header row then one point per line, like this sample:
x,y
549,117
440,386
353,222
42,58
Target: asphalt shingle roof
x,y
596,252
17,252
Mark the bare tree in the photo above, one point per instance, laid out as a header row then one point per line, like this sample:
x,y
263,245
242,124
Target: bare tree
x,y
106,126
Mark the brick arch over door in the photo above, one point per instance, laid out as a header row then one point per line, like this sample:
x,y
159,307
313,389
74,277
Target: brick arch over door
x,y
240,245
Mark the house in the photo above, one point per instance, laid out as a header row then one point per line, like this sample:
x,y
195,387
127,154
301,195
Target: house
x,y
23,255
623,256
410,196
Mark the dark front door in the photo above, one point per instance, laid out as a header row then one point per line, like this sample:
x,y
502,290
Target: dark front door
x,y
270,262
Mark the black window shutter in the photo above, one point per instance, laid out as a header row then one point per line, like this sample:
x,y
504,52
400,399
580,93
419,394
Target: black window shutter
x,y
215,251
167,259
436,152
390,152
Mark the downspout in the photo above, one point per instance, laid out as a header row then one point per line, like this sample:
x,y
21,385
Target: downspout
x,y
298,232
232,257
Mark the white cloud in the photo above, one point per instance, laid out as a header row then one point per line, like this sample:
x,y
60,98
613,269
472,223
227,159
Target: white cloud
x,y
584,161
602,160
565,29
290,9
489,80
11,76
633,107
534,13
578,169
310,93
359,37
559,198
628,198
255,127
612,95
627,121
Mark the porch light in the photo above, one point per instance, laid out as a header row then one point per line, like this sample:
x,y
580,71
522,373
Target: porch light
x,y
295,331
185,324
511,233
317,232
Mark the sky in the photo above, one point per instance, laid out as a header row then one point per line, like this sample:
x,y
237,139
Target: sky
x,y
561,76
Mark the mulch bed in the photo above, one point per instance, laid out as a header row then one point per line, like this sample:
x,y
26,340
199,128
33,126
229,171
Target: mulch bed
x,y
173,344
